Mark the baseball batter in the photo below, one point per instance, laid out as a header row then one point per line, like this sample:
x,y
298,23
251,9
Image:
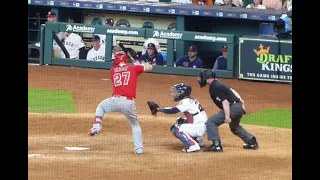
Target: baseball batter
x,y
189,130
124,80
74,45
97,52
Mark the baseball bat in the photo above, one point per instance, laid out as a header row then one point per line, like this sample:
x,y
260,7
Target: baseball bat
x,y
63,48
127,52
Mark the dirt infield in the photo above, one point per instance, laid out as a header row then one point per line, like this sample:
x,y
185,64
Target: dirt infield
x,y
111,152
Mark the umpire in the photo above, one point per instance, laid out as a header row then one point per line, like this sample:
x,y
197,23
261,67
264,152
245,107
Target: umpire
x,y
231,113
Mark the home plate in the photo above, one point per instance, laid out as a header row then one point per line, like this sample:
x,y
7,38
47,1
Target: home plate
x,y
33,155
76,148
105,79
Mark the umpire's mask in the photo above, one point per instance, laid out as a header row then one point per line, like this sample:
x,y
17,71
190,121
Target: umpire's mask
x,y
204,75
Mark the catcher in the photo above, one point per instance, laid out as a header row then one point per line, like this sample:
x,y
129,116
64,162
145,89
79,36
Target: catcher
x,y
189,130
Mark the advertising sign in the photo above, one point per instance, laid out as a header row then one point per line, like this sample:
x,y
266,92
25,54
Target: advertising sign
x,y
265,60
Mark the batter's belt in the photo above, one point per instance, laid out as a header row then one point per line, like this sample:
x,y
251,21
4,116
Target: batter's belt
x,y
123,97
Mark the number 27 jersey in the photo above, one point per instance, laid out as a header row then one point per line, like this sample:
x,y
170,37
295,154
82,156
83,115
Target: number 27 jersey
x,y
124,79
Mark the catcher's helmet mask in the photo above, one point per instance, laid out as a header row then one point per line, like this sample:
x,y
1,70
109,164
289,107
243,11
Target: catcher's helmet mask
x,y
180,91
204,75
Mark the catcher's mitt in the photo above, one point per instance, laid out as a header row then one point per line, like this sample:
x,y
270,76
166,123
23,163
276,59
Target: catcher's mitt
x,y
153,107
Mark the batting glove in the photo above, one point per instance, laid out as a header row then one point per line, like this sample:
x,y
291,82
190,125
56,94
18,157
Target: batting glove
x,y
96,128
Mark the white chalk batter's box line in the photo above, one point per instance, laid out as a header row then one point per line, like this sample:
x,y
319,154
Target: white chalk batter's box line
x,y
33,155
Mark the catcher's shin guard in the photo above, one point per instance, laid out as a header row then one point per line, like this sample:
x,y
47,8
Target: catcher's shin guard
x,y
184,137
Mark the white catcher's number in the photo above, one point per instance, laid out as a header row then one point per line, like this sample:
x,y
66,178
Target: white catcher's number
x,y
198,104
121,78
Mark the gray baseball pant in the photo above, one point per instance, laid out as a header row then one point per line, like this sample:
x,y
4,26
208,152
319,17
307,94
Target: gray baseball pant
x,y
128,109
236,113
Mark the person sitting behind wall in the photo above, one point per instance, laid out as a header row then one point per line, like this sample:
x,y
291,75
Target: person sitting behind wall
x,y
222,62
97,52
191,60
203,2
152,55
256,4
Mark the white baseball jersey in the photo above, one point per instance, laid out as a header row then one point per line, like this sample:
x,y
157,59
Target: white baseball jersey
x,y
55,44
98,55
73,43
103,39
193,111
195,125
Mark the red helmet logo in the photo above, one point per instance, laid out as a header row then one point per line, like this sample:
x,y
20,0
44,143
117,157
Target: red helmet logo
x,y
120,57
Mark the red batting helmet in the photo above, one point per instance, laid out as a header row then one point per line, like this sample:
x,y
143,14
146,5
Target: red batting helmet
x,y
120,57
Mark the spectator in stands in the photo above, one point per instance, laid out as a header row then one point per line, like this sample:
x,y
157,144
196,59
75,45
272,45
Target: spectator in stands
x,y
228,3
149,0
152,55
97,52
182,1
218,2
287,4
236,3
203,2
272,4
256,4
191,60
221,61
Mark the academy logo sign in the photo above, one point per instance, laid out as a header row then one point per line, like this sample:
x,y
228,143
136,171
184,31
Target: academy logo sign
x,y
82,29
167,35
122,32
211,38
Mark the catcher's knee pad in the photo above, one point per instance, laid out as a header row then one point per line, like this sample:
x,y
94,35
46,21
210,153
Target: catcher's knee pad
x,y
182,136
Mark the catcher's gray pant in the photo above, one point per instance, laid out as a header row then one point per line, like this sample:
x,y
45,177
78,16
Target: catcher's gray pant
x,y
128,109
236,113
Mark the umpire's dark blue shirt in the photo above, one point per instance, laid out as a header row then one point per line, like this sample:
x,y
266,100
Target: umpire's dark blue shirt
x,y
185,59
219,92
159,58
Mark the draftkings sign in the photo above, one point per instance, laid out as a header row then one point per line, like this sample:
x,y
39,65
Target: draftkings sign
x,y
265,60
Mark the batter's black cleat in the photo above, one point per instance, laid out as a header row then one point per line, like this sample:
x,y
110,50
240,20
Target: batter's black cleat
x,y
214,148
252,144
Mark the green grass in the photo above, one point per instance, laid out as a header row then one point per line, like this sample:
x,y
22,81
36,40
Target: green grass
x,y
46,101
281,118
